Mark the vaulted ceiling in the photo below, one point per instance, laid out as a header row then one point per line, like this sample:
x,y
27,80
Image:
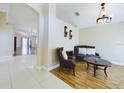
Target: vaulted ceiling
x,y
21,19
20,16
88,13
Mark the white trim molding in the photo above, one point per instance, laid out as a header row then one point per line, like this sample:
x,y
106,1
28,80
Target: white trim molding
x,y
53,67
4,58
39,67
44,67
50,68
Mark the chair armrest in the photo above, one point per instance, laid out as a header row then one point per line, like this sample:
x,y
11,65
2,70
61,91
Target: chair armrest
x,y
71,57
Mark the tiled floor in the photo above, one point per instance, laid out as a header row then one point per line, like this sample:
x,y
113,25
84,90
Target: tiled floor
x,y
25,51
19,73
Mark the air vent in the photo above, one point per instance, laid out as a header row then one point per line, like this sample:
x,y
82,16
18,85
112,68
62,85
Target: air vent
x,y
77,13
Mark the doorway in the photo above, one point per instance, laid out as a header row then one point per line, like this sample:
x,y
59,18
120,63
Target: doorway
x,y
26,49
24,45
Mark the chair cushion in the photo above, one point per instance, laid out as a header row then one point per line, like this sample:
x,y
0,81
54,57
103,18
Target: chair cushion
x,y
80,56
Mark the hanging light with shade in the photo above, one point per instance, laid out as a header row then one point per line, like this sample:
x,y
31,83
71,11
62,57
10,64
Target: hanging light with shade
x,y
103,18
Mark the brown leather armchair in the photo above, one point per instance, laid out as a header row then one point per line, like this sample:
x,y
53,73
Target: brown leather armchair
x,y
65,64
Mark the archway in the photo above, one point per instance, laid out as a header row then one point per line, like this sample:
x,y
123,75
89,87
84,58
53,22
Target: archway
x,y
21,24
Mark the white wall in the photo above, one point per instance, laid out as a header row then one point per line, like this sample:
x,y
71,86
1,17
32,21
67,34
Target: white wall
x,y
6,41
108,39
43,35
23,18
67,43
42,41
36,6
56,36
51,35
57,39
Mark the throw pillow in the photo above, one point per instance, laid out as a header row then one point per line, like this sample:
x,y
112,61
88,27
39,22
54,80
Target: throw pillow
x,y
64,55
82,51
91,51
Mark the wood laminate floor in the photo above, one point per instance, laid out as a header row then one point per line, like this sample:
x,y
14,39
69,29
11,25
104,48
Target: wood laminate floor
x,y
84,78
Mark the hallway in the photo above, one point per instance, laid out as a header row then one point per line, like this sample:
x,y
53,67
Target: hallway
x,y
26,46
18,73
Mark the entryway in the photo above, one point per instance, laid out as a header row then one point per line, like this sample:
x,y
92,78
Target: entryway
x,y
25,45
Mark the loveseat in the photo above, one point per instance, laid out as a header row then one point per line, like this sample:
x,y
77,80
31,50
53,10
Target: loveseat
x,y
82,51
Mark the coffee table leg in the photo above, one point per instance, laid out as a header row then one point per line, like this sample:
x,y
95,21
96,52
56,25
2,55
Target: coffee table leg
x,y
105,71
95,70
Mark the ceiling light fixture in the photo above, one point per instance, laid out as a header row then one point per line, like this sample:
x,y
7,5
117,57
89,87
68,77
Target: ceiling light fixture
x,y
103,18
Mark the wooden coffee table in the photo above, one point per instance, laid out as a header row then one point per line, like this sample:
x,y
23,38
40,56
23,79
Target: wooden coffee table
x,y
96,62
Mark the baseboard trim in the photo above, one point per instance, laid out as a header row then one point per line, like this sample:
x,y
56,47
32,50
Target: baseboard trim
x,y
117,63
39,67
120,64
53,67
44,68
4,58
50,68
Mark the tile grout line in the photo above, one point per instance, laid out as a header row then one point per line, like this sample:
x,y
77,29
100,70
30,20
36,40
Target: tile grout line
x,y
10,78
32,75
